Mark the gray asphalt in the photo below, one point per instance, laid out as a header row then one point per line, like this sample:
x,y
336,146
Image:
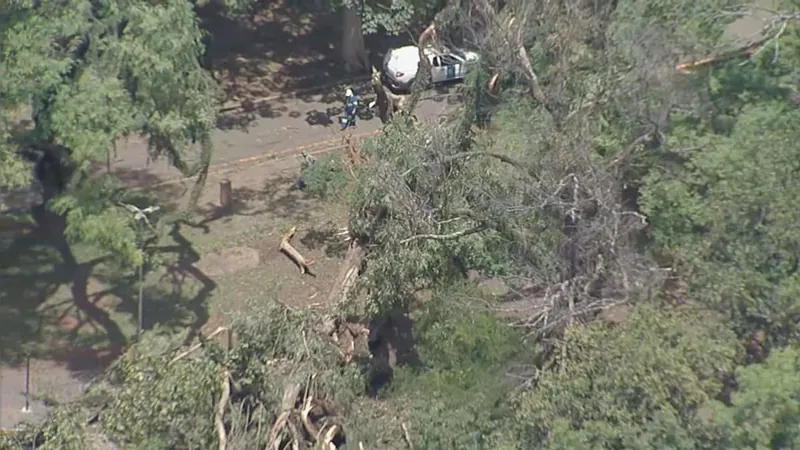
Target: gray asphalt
x,y
276,127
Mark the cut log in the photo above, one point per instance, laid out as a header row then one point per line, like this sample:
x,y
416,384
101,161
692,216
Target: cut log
x,y
287,248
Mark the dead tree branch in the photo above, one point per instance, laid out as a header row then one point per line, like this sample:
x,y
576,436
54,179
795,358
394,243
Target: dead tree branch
x,y
196,346
220,413
287,406
406,436
444,237
465,155
287,249
348,274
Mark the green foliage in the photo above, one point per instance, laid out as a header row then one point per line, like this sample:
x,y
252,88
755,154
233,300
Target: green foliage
x,y
765,411
156,401
400,17
458,399
327,178
536,192
632,387
461,345
728,217
433,215
93,73
278,346
65,429
455,399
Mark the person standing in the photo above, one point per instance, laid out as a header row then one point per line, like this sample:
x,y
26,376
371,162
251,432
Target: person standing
x,y
350,109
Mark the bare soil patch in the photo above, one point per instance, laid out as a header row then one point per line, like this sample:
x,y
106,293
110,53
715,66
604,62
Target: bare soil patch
x,y
228,261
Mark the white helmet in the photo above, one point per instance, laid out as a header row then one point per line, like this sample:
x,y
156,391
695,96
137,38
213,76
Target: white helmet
x,y
348,92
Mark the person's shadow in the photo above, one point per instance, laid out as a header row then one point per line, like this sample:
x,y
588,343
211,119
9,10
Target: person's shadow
x,y
315,117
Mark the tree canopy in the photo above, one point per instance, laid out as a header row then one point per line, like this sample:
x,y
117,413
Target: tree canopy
x,y
90,74
640,219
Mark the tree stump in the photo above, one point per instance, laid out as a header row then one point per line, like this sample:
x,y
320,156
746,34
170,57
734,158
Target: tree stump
x,y
225,196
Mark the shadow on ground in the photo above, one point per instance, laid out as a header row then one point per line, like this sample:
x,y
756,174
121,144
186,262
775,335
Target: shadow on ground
x,y
154,189
327,237
291,107
277,50
78,307
275,198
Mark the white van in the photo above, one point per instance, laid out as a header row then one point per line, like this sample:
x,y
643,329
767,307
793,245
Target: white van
x,y
400,65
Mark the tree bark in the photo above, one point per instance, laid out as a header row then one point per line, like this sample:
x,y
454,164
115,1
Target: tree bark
x,y
287,248
219,417
388,102
423,79
348,274
385,107
354,51
206,149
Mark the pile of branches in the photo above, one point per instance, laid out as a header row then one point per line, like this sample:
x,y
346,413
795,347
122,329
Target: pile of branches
x,y
305,416
430,183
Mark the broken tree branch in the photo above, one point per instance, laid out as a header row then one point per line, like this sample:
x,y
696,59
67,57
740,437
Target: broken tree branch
x,y
348,274
287,406
287,248
465,155
297,437
310,428
196,346
220,413
406,436
628,151
445,237
423,79
326,443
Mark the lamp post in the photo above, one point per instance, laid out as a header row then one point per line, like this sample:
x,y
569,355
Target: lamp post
x,y
140,216
27,407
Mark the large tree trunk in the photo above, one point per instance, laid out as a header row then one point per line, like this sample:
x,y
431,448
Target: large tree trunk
x,y
388,102
206,148
348,274
354,51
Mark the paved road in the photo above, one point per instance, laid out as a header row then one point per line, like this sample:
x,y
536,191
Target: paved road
x,y
276,126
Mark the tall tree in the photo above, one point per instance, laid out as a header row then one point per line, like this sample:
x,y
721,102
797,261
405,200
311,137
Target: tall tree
x,y
360,18
726,212
93,72
638,386
765,409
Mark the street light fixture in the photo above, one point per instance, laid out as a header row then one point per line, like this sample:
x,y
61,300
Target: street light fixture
x,y
140,216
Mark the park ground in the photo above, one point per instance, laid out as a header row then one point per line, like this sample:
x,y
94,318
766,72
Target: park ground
x,y
75,319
